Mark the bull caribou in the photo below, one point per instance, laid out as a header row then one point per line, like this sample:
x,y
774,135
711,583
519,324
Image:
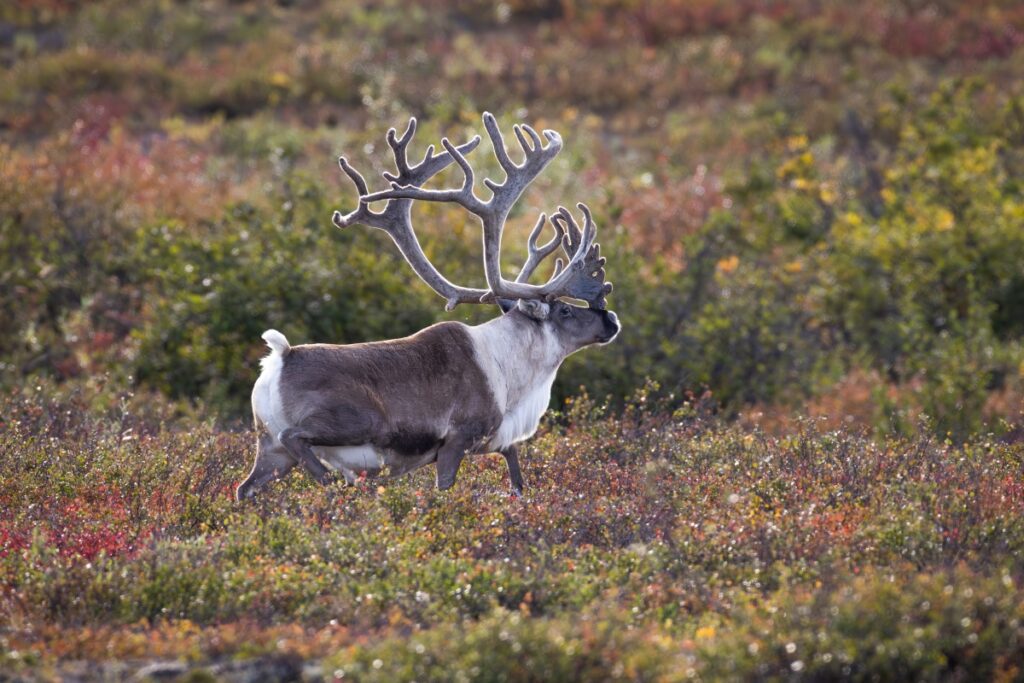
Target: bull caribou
x,y
450,390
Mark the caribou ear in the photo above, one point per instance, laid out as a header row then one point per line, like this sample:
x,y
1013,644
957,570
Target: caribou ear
x,y
538,310
506,305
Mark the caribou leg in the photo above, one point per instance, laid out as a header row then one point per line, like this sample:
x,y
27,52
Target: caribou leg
x,y
272,462
299,444
450,456
338,425
515,475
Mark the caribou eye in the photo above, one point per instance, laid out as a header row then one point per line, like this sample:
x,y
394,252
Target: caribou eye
x,y
566,312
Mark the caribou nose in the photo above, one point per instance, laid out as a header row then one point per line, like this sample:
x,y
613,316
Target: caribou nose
x,y
611,324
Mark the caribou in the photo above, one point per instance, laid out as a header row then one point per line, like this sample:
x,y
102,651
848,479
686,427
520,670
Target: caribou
x,y
451,390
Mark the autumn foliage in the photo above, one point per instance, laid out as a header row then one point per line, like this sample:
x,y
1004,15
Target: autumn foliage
x,y
802,458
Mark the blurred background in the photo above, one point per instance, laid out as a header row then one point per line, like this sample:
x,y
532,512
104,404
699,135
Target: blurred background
x,y
809,207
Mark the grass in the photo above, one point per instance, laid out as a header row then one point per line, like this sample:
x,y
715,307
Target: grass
x,y
814,217
651,545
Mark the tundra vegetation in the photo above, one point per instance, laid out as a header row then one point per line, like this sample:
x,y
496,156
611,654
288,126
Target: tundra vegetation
x,y
802,458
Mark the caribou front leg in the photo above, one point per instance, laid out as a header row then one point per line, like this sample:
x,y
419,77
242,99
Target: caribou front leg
x,y
515,476
450,456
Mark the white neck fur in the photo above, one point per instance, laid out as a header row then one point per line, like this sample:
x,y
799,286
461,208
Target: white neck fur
x,y
519,360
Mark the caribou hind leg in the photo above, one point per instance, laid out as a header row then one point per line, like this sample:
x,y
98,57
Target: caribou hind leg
x,y
299,443
340,425
272,462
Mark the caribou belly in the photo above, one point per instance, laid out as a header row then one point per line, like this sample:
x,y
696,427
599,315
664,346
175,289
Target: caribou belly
x,y
351,460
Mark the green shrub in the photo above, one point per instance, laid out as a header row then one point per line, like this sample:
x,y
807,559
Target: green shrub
x,y
216,294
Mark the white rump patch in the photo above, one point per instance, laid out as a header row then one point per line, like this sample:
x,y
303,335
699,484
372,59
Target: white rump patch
x,y
266,393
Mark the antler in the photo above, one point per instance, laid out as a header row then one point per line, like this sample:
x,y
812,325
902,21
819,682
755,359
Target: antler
x,y
581,278
396,218
584,276
538,254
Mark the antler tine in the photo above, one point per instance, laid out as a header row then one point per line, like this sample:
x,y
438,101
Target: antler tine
x,y
498,142
362,214
432,165
522,141
538,254
429,155
559,265
467,170
355,175
396,218
463,196
573,234
428,167
399,147
518,176
583,276
533,135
